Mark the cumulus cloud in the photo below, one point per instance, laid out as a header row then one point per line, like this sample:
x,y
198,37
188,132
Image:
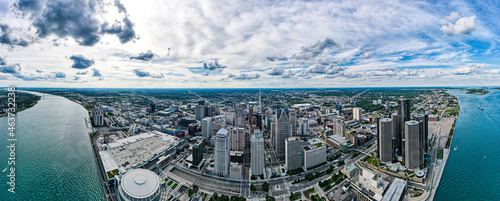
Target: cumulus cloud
x,y
213,66
55,75
143,73
276,71
454,25
39,71
10,37
96,73
469,69
11,69
2,61
325,69
79,19
80,62
243,76
313,50
82,72
144,56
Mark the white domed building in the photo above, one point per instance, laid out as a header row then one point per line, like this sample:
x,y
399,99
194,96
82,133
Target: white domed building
x,y
140,185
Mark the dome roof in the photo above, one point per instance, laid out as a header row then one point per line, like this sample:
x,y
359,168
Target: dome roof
x,y
140,183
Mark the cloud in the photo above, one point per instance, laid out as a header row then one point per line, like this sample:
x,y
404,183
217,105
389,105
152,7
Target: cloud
x,y
96,73
213,66
143,73
325,69
277,58
469,69
79,19
243,76
80,62
55,75
39,71
315,49
145,56
81,72
11,69
454,25
2,61
276,71
13,38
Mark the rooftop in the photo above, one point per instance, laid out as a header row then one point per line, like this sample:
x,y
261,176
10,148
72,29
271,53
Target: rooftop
x,y
140,183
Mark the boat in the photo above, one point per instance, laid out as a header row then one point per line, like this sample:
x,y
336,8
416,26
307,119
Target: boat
x,y
480,107
455,148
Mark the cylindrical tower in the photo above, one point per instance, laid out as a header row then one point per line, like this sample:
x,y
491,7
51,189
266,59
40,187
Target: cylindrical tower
x,y
385,139
412,150
140,184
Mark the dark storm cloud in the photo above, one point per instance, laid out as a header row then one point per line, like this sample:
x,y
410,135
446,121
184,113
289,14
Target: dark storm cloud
x,y
96,73
80,62
11,69
8,37
78,19
144,56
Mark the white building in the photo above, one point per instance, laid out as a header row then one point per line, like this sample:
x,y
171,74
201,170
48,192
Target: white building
x,y
314,154
206,127
257,154
222,152
357,113
140,184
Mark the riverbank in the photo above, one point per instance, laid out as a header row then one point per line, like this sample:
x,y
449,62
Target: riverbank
x,y
22,98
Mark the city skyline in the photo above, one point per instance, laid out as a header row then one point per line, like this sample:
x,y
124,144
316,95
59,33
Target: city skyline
x,y
209,44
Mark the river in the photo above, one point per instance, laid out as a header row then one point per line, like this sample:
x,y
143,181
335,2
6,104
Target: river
x,y
54,158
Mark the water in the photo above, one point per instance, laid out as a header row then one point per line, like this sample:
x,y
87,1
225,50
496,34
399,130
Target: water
x,y
472,170
54,158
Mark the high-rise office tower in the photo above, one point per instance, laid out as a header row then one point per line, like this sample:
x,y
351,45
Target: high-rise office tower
x,y
385,139
257,154
153,107
198,152
404,115
283,131
97,117
293,122
413,150
222,147
339,128
396,127
425,137
357,113
206,127
293,153
237,139
200,112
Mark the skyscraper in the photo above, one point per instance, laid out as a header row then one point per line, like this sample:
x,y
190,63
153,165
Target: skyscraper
x,y
200,112
293,122
396,134
237,139
413,151
222,148
404,115
206,128
425,119
293,153
283,131
357,113
257,154
339,128
385,139
198,152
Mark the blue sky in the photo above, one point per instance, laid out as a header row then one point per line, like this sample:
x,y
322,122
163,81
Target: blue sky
x,y
169,44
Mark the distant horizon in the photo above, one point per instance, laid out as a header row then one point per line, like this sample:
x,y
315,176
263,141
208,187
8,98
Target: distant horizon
x,y
451,87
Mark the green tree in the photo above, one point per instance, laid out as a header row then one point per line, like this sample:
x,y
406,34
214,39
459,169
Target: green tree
x,y
269,198
265,186
309,176
253,188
